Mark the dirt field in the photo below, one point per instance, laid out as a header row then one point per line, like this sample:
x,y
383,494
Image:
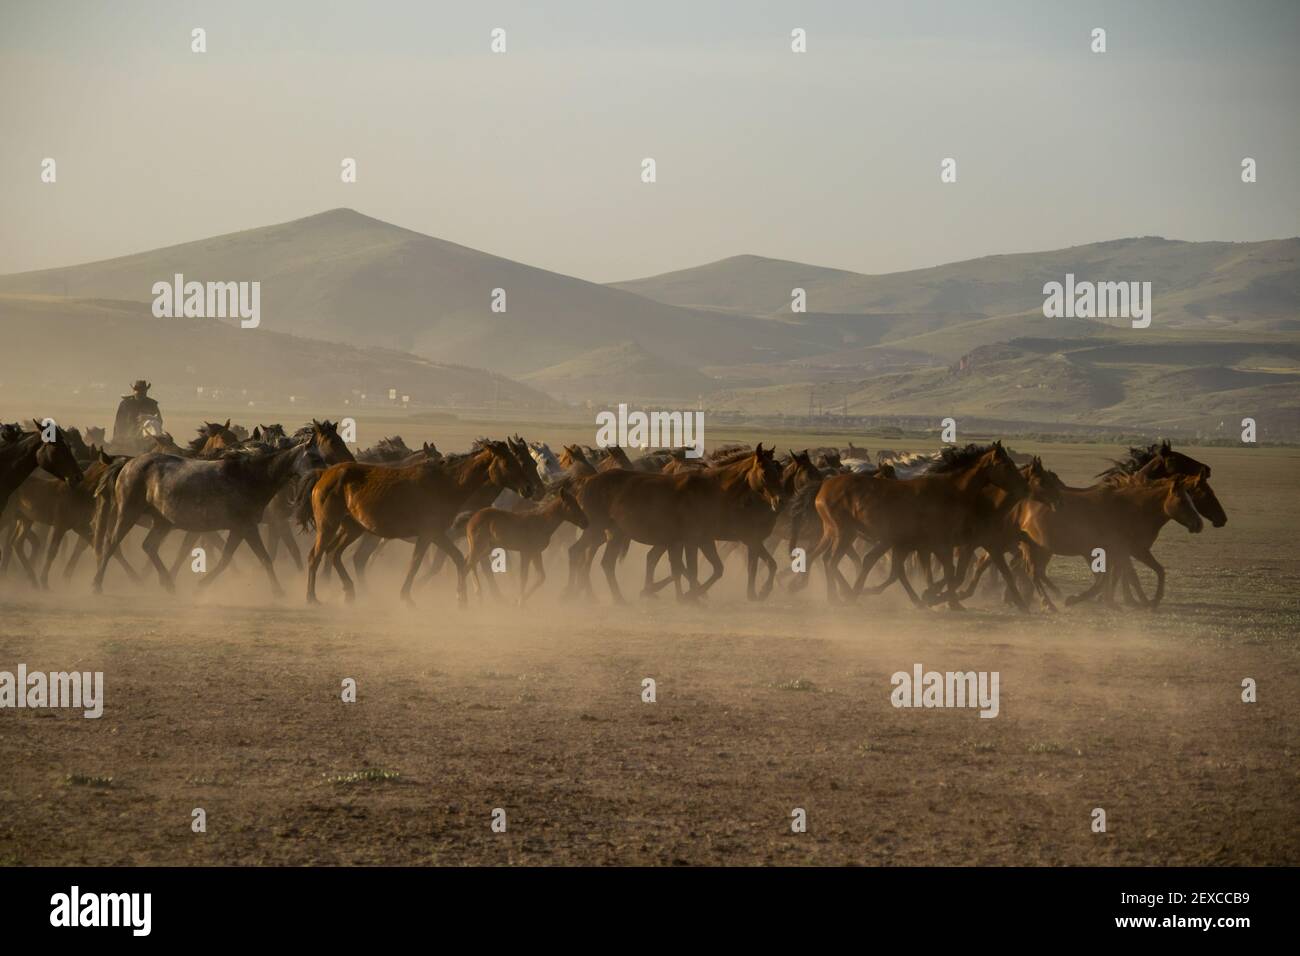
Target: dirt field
x,y
231,703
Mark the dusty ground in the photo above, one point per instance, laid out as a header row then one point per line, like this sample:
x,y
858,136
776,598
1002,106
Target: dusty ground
x,y
231,703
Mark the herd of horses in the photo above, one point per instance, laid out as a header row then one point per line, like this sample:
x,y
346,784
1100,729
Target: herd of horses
x,y
947,516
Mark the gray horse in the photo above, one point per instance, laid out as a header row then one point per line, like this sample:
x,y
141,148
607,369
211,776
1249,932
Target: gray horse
x,y
226,494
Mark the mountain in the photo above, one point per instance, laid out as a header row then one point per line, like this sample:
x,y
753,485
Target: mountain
x,y
344,277
54,347
1196,285
350,303
1164,382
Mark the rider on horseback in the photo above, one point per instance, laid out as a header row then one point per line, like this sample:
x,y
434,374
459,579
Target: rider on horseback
x,y
132,412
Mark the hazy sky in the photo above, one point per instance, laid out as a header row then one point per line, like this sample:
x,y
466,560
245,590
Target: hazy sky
x,y
830,157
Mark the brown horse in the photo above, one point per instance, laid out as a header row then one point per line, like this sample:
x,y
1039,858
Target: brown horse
x,y
998,525
23,452
419,501
528,532
64,508
669,513
755,525
213,440
929,514
1122,519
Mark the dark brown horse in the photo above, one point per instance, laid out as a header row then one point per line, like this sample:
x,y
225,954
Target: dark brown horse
x,y
528,532
1122,519
670,513
64,507
24,452
419,501
929,514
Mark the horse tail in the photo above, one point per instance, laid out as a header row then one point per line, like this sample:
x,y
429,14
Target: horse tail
x,y
801,503
303,513
105,494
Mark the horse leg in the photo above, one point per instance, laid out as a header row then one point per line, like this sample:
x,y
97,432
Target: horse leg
x,y
897,559
999,561
577,558
949,578
51,552
677,563
445,544
525,562
1036,559
981,565
649,589
710,550
868,562
766,556
233,539
254,540
1147,558
325,535
417,558
365,551
186,551
751,573
152,541
23,558
278,530
609,564
82,543
127,513
536,558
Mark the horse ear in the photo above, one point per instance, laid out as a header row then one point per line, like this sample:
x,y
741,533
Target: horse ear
x,y
104,457
227,425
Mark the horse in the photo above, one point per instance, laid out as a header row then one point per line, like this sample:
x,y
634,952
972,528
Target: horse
x,y
997,527
223,494
758,527
669,513
1122,518
23,452
214,439
928,514
418,500
64,508
527,532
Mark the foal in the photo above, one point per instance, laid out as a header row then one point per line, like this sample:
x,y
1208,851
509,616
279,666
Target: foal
x,y
528,532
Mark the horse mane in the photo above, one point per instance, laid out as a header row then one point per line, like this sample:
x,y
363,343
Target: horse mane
x,y
729,457
1135,460
952,458
196,444
727,453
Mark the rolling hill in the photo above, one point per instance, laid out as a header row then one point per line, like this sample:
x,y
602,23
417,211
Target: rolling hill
x,y
54,347
348,299
1195,284
344,277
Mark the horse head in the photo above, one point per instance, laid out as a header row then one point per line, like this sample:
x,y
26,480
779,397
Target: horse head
x,y
764,476
56,456
505,471
1178,504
